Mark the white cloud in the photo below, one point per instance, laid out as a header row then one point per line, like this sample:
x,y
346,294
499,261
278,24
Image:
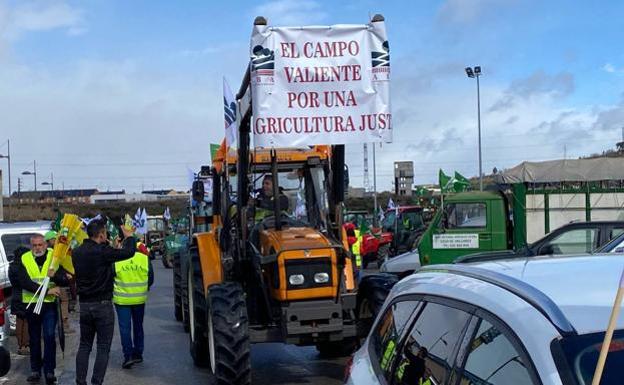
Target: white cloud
x,y
469,11
35,16
435,122
291,12
612,69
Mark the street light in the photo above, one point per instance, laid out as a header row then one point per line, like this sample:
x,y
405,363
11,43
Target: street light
x,y
476,73
50,183
33,173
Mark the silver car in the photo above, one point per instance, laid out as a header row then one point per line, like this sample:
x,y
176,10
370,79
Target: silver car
x,y
538,320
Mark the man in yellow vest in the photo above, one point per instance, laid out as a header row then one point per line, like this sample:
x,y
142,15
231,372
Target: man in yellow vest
x,y
31,272
133,278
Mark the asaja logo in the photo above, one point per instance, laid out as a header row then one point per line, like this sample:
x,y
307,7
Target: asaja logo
x,y
262,59
380,60
262,65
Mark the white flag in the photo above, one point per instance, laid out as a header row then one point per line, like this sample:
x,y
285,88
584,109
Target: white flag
x,y
229,111
391,204
142,228
167,214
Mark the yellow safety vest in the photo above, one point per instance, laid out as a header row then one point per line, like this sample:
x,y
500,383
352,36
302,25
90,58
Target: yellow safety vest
x,y
131,276
355,248
36,275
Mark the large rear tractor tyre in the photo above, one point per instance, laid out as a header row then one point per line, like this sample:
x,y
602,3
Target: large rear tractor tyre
x,y
372,293
383,253
177,287
198,342
228,334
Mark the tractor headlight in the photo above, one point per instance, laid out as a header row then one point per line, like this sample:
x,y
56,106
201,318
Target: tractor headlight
x,y
321,278
296,279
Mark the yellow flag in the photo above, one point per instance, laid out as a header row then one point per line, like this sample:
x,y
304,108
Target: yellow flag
x,y
69,237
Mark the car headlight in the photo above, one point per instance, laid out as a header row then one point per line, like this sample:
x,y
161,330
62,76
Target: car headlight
x,y
296,279
321,278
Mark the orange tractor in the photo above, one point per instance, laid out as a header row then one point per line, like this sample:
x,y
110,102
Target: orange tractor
x,y
275,265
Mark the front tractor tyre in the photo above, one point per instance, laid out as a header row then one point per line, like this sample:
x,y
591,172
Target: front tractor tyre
x,y
228,334
198,342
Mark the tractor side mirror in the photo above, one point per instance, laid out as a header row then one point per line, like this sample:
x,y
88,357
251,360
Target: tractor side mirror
x,y
197,191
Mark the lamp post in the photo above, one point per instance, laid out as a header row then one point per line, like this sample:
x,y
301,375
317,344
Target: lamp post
x,y
8,158
50,183
476,73
33,173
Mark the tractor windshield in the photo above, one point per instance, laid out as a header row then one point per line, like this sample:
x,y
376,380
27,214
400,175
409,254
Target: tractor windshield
x,y
302,196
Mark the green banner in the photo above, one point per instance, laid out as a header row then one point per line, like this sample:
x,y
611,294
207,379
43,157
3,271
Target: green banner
x,y
213,150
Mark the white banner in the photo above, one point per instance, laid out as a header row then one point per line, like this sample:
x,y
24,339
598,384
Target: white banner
x,y
455,241
320,85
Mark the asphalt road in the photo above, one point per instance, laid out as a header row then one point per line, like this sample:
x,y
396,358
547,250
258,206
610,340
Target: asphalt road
x,y
167,359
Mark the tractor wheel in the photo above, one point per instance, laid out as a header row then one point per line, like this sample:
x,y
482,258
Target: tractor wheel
x,y
372,293
184,284
228,334
198,343
177,289
334,349
383,254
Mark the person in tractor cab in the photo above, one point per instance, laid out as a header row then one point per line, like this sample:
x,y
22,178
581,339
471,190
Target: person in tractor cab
x,y
264,201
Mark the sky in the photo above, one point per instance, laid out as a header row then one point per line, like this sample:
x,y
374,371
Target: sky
x,y
116,94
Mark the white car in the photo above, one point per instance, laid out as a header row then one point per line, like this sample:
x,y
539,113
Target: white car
x,y
538,320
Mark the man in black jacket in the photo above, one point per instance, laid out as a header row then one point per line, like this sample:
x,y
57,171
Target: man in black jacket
x,y
29,274
18,307
93,263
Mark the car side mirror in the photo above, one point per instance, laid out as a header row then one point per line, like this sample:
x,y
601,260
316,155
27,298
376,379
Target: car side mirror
x,y
547,250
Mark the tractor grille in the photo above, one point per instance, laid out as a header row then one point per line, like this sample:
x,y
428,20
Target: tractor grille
x,y
308,268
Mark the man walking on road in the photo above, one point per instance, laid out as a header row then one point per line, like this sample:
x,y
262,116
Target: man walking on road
x,y
133,278
93,263
31,272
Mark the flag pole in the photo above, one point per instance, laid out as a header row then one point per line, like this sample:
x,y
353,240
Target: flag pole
x,y
617,306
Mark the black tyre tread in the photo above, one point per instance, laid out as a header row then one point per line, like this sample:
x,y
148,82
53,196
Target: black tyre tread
x,y
177,291
373,290
199,347
231,334
383,253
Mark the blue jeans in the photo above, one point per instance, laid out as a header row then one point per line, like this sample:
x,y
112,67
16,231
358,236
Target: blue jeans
x,y
130,318
45,321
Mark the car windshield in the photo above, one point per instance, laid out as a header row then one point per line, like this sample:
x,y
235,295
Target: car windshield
x,y
581,356
303,195
155,225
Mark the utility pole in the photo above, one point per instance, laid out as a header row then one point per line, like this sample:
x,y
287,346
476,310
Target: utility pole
x,y
366,180
375,213
8,158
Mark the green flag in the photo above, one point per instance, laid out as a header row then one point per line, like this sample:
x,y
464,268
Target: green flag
x,y
213,150
56,225
112,229
461,183
364,228
446,182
